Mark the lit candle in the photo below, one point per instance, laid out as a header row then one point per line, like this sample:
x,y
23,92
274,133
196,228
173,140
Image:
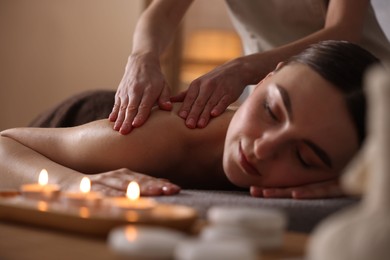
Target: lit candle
x,y
132,201
84,197
42,189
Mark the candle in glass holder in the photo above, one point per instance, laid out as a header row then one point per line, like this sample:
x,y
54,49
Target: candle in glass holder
x,y
84,197
42,189
132,201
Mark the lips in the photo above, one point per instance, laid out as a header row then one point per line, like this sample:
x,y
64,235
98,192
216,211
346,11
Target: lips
x,y
245,164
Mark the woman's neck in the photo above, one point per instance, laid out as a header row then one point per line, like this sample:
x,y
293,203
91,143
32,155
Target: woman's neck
x,y
201,164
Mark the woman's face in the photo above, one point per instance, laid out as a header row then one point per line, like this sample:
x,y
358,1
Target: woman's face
x,y
294,129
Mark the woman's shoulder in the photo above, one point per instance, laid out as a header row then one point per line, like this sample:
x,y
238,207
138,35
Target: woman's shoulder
x,y
163,124
172,122
221,121
172,115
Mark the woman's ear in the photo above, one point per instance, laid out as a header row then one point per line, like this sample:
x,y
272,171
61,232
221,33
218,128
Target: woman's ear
x,y
279,66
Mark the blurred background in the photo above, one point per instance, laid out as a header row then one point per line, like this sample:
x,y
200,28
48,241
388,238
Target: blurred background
x,y
52,49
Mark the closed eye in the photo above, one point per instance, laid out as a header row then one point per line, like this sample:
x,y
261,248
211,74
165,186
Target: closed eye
x,y
269,110
310,158
302,161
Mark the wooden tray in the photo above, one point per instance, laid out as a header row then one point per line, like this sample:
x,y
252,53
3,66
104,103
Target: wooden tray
x,y
15,208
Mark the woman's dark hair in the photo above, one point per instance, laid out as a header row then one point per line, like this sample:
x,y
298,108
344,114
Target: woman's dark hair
x,y
344,65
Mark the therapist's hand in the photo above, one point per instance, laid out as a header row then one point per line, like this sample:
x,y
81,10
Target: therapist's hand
x,y
210,95
326,189
114,183
142,86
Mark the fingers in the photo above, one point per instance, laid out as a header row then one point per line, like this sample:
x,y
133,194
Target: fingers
x,y
108,191
201,102
127,112
114,113
115,183
197,106
147,103
316,192
179,97
256,191
192,94
164,101
153,188
221,106
270,192
142,86
118,113
277,193
204,117
141,113
326,189
129,115
134,109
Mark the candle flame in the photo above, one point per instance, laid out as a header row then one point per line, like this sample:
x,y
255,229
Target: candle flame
x,y
133,191
85,185
43,177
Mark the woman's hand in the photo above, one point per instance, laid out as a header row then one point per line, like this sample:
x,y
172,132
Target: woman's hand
x,y
326,189
210,95
142,85
114,183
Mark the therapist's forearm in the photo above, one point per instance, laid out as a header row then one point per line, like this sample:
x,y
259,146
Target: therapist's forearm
x,y
258,65
344,21
157,25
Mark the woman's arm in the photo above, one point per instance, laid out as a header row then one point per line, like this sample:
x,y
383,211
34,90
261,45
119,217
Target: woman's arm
x,y
162,147
68,153
19,165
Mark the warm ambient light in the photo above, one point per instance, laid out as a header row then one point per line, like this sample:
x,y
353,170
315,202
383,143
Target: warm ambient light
x,y
132,201
43,178
214,47
131,233
133,191
42,205
83,198
205,49
41,190
84,212
85,185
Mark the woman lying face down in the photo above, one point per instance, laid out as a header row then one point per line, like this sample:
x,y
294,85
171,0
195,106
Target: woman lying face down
x,y
298,129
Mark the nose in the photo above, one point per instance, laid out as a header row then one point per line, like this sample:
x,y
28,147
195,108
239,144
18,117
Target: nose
x,y
270,144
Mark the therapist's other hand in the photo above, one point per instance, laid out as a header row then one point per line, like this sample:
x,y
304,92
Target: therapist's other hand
x,y
114,183
210,95
142,86
326,189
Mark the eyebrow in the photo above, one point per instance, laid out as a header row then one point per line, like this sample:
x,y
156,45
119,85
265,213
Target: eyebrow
x,y
324,157
319,152
286,100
